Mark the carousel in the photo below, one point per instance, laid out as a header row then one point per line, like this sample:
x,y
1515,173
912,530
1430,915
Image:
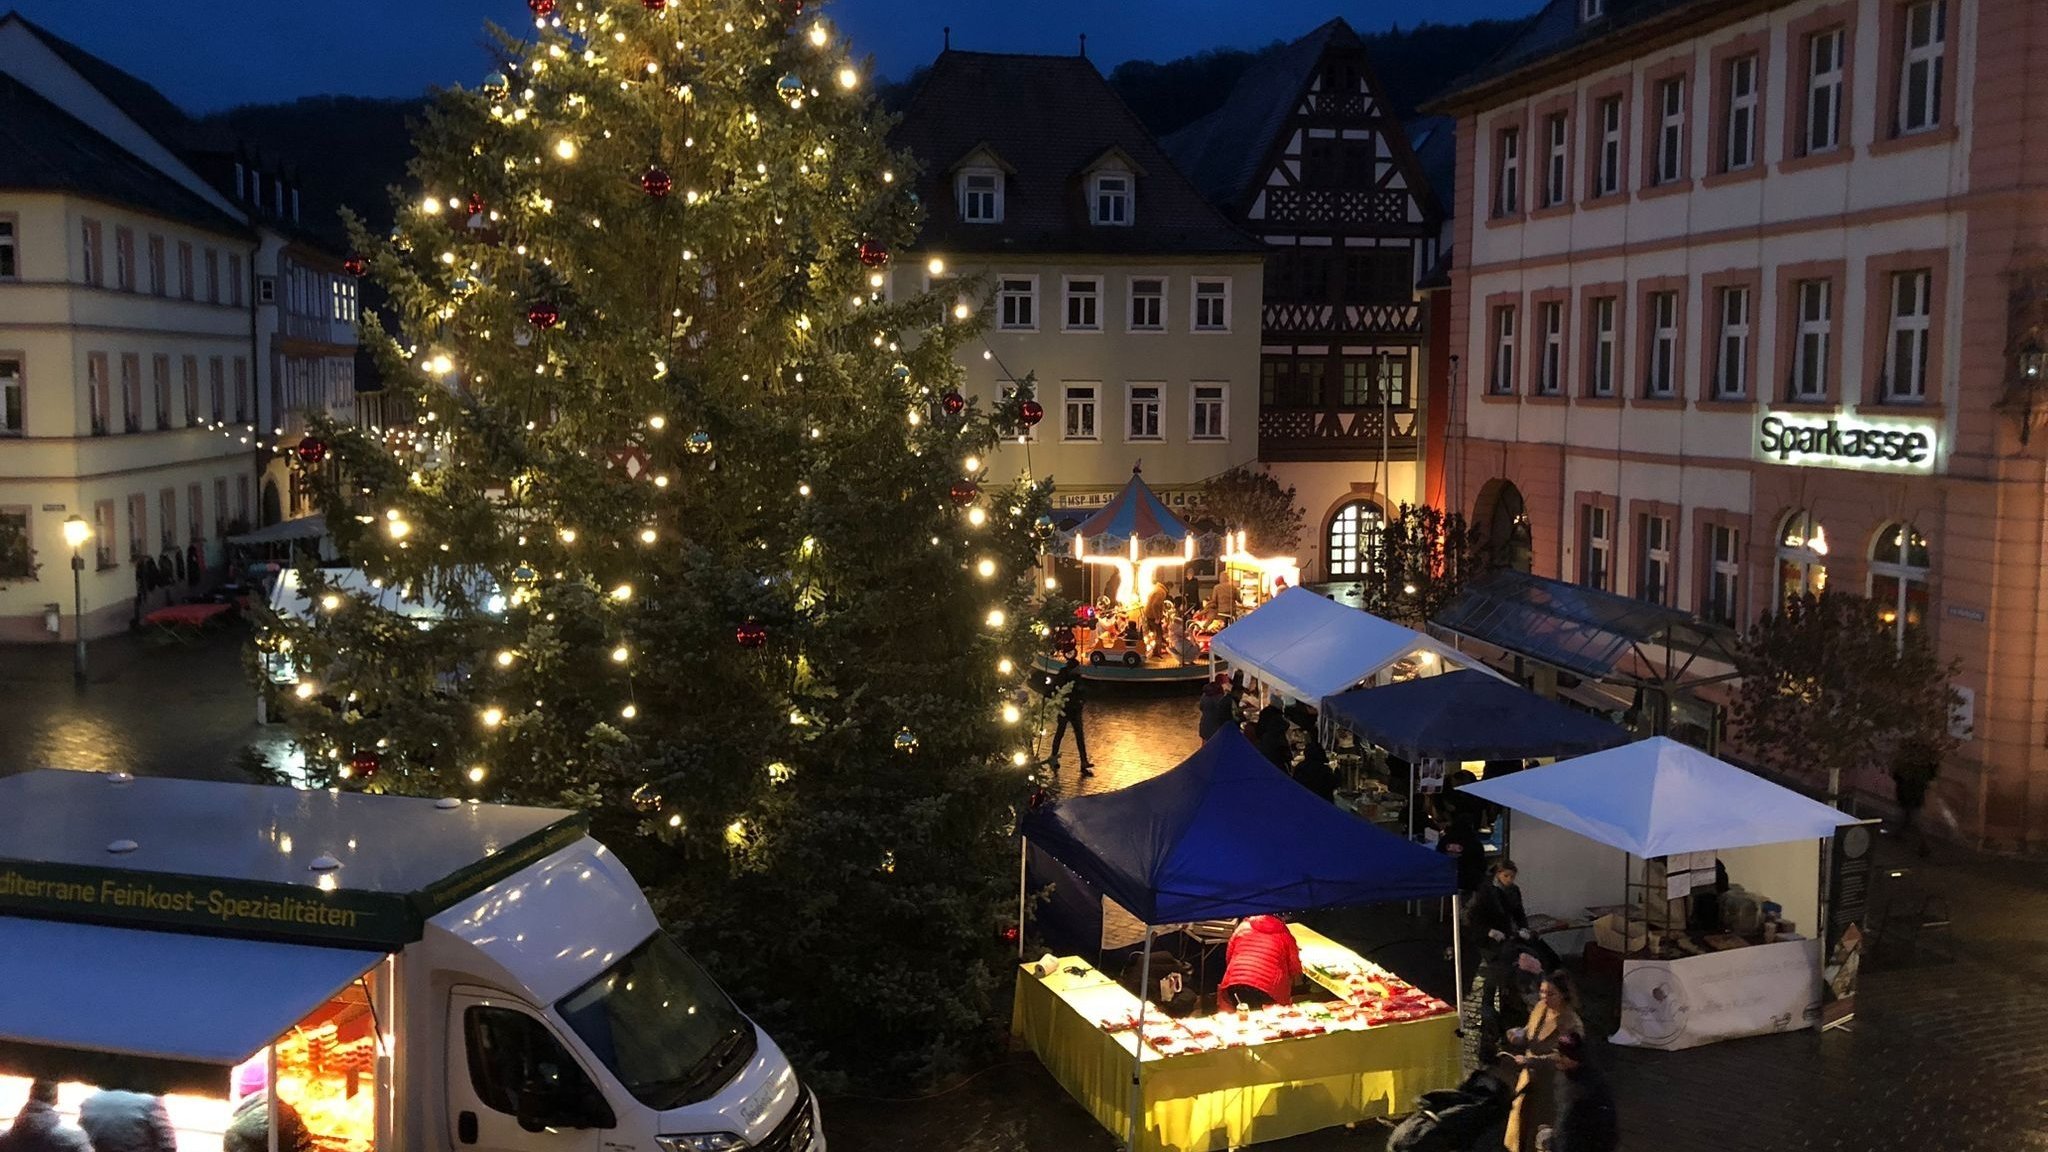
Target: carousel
x,y
1139,618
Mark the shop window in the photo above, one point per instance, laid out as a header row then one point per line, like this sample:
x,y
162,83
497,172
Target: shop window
x,y
1353,541
1802,557
1899,569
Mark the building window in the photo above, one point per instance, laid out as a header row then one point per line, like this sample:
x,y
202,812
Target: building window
x,y
1502,380
1815,303
1899,570
1291,383
160,388
1112,198
17,554
1380,275
1596,547
1670,153
1083,304
1550,365
1148,304
1653,559
344,300
217,377
1556,181
131,392
1601,328
138,525
1507,187
167,519
96,398
1731,350
1352,545
191,391
1143,409
10,268
1608,180
1080,413
241,390
195,514
12,398
89,249
1373,381
1738,148
124,258
235,279
1723,601
981,196
1208,413
1017,303
1591,10
103,534
1920,72
241,501
220,507
156,265
1802,558
1905,368
1660,382
185,281
1821,119
1212,305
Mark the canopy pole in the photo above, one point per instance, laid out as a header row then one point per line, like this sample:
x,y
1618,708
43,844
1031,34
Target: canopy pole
x,y
1458,952
1023,868
270,1105
1138,1051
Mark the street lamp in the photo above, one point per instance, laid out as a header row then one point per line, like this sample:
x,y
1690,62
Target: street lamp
x,y
76,533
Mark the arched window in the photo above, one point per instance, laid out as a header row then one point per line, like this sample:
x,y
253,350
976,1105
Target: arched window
x,y
1352,543
1802,557
1898,577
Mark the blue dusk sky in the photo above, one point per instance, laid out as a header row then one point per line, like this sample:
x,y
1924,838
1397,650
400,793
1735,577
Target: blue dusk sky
x,y
220,53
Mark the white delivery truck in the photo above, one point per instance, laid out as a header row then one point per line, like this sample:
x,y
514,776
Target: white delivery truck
x,y
356,973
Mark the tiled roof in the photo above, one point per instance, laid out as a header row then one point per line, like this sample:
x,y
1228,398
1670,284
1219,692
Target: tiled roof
x,y
1222,151
1557,30
44,148
1049,118
136,98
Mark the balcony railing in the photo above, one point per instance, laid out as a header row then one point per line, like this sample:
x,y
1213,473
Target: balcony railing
x,y
1336,433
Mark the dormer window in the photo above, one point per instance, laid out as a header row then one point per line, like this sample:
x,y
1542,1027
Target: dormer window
x,y
1112,198
1591,10
981,196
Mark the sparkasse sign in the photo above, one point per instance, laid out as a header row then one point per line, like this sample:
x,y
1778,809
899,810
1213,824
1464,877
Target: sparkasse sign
x,y
1842,440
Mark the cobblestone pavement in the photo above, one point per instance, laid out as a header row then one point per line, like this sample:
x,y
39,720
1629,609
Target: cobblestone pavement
x,y
1949,1053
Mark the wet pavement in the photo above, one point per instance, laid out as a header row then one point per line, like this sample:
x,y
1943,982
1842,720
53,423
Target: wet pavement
x,y
1949,1052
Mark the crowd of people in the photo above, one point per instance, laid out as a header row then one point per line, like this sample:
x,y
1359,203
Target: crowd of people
x,y
117,1121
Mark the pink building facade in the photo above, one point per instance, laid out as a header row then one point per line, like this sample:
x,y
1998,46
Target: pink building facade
x,y
1746,297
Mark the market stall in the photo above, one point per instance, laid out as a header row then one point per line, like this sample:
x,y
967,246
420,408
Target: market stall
x,y
1248,579
1195,844
1642,839
1305,647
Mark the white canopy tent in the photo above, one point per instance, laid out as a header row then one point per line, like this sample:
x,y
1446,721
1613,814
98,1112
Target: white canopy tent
x,y
1304,646
1585,825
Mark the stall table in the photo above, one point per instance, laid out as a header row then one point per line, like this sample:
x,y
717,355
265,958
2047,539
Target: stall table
x,y
1245,1091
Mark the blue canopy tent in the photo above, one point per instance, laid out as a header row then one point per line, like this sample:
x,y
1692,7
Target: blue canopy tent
x,y
1467,715
1226,834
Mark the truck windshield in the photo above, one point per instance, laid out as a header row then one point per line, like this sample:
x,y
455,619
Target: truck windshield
x,y
661,1024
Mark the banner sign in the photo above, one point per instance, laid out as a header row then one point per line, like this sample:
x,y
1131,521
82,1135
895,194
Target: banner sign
x,y
1849,870
1888,444
1694,1000
195,904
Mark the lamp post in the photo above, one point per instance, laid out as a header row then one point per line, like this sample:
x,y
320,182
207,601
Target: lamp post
x,y
76,533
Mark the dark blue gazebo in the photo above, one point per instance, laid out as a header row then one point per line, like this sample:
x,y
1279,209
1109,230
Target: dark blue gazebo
x,y
1467,715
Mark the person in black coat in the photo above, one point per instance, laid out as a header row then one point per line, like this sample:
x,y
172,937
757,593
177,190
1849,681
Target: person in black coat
x,y
38,1127
1218,707
127,1122
1272,737
1315,774
1497,912
1461,842
1586,1119
1069,677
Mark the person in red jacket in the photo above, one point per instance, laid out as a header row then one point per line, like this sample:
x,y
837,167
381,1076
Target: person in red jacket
x,y
1264,962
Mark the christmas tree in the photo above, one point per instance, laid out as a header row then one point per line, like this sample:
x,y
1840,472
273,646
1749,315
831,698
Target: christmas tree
x,y
701,517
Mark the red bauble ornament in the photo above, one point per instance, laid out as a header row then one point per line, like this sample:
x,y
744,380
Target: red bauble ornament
x,y
542,7
750,635
873,253
791,9
964,492
365,764
1030,412
542,314
954,403
312,450
1009,934
355,265
1038,797
477,204
656,182
654,5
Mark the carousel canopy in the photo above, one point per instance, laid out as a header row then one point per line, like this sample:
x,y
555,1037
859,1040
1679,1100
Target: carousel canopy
x,y
1467,715
1199,843
1657,797
1307,647
1136,512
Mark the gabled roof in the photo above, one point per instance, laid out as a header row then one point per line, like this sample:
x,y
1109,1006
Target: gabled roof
x,y
44,148
1223,151
1048,117
136,98
1557,32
